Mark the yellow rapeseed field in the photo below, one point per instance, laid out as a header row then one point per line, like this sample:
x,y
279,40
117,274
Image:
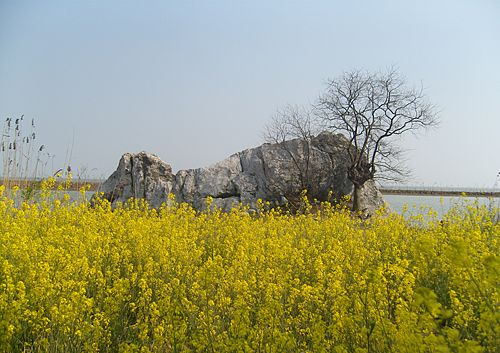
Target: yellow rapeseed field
x,y
75,278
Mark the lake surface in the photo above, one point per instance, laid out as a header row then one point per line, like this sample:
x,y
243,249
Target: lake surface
x,y
440,204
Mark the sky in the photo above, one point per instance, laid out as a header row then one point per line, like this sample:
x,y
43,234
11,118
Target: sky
x,y
196,81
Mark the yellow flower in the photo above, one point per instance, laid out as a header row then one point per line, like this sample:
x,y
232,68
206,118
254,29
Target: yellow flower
x,y
92,278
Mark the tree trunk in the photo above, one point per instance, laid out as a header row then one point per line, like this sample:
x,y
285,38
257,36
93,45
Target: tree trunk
x,y
359,175
356,206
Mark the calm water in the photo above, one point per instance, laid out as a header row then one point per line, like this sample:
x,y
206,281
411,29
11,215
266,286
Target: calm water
x,y
441,204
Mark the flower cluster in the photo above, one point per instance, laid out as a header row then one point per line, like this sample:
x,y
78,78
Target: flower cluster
x,y
78,278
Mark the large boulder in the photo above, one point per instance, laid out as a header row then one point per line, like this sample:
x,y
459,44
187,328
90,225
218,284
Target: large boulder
x,y
274,173
140,175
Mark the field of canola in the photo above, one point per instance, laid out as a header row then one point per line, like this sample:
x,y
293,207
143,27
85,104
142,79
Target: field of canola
x,y
75,278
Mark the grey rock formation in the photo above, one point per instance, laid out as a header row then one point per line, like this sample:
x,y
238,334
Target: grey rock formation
x,y
276,173
139,175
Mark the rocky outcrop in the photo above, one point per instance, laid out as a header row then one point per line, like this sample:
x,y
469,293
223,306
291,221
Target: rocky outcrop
x,y
139,175
276,173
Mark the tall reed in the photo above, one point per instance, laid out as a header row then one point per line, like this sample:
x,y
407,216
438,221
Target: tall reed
x,y
23,165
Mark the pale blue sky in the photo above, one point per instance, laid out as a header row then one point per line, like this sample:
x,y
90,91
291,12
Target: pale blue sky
x,y
195,81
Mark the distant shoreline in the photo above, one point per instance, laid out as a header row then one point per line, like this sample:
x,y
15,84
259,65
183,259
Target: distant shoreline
x,y
74,186
77,185
438,193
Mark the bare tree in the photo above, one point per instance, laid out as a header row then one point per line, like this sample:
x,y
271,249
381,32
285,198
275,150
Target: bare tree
x,y
372,109
288,123
292,122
